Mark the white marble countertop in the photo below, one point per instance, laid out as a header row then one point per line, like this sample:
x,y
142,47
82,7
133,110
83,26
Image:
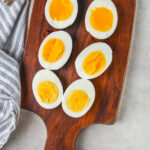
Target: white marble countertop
x,y
132,129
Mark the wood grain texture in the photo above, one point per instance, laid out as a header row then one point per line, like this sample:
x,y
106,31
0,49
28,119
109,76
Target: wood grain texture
x,y
62,129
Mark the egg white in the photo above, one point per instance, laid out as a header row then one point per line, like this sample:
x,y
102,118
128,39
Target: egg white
x,y
103,48
66,39
46,75
96,4
65,23
80,84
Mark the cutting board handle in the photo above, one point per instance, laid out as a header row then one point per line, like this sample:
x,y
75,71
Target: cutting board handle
x,y
61,139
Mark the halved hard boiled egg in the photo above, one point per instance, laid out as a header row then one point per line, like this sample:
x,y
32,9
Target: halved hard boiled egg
x,y
55,50
93,60
47,89
78,98
61,13
101,19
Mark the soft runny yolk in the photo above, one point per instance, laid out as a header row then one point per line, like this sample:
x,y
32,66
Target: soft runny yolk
x,y
94,63
53,50
78,100
101,19
47,91
60,10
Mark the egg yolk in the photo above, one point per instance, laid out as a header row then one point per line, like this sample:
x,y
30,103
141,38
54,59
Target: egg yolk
x,y
78,100
94,63
47,91
101,19
53,50
60,10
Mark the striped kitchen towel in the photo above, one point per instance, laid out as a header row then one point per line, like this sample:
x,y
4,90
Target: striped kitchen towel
x,y
12,33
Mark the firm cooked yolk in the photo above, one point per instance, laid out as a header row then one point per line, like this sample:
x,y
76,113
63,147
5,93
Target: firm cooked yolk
x,y
78,100
53,50
47,91
94,63
60,10
101,19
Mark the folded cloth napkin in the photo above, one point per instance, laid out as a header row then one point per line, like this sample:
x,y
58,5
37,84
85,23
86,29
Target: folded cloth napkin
x,y
12,33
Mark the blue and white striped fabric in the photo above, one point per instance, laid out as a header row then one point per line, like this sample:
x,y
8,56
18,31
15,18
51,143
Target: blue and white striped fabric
x,y
12,32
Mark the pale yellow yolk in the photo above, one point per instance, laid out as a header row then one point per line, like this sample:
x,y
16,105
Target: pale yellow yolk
x,y
94,63
78,100
53,50
60,10
101,19
47,91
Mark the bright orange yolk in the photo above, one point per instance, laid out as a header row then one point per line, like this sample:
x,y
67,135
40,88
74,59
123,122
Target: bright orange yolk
x,y
78,100
94,63
53,50
60,10
47,91
101,19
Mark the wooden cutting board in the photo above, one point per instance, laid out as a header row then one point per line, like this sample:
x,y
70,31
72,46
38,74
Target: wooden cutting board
x,y
62,130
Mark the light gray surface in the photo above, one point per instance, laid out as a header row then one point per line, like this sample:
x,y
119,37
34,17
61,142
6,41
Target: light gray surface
x,y
29,135
132,129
